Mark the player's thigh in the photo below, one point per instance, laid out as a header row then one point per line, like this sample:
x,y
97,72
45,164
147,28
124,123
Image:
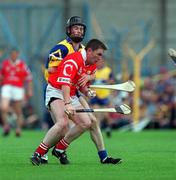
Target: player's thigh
x,y
5,97
57,110
17,106
5,104
52,116
54,102
83,102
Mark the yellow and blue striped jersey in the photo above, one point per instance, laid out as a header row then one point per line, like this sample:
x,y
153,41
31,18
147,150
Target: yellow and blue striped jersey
x,y
58,52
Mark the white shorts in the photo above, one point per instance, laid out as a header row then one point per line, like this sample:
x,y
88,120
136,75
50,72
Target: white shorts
x,y
12,93
52,92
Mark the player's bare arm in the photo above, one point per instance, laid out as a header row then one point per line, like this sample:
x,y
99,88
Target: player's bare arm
x,y
66,94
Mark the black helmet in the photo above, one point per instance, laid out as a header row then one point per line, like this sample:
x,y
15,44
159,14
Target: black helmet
x,y
75,20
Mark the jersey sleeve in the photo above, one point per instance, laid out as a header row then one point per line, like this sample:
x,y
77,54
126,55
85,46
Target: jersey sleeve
x,y
56,54
27,72
54,58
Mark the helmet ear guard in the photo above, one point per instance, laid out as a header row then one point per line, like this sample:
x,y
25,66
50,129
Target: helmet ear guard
x,y
75,20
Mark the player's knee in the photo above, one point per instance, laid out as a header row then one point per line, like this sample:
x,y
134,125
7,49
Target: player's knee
x,y
85,125
61,125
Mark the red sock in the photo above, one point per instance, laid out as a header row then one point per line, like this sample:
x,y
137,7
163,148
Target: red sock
x,y
42,149
62,145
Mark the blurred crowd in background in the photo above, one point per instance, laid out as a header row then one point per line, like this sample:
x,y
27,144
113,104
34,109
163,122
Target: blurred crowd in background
x,y
157,105
41,26
157,102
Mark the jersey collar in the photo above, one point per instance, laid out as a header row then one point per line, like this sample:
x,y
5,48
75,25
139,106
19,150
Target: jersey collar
x,y
70,42
14,62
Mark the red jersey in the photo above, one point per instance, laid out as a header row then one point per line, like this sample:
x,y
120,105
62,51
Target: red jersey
x,y
70,70
15,73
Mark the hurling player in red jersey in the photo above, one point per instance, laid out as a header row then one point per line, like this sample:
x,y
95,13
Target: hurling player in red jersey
x,y
61,92
13,74
75,30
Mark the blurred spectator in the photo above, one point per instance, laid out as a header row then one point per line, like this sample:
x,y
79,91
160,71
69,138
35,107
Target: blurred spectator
x,y
13,75
158,95
31,119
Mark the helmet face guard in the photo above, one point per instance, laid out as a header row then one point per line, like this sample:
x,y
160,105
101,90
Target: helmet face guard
x,y
75,20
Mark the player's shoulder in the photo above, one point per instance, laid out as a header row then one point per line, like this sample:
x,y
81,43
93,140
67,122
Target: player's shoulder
x,y
62,45
76,57
68,43
5,61
21,62
65,43
80,58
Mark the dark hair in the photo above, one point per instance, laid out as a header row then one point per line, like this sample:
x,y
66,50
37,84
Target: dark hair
x,y
95,44
14,49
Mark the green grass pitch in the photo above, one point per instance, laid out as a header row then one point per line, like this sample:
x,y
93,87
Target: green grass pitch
x,y
146,155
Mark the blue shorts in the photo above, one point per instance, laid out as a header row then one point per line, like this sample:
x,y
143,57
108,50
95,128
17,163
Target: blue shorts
x,y
98,101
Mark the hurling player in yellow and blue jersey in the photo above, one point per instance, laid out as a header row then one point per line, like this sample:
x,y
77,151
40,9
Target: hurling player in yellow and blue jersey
x,y
75,30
